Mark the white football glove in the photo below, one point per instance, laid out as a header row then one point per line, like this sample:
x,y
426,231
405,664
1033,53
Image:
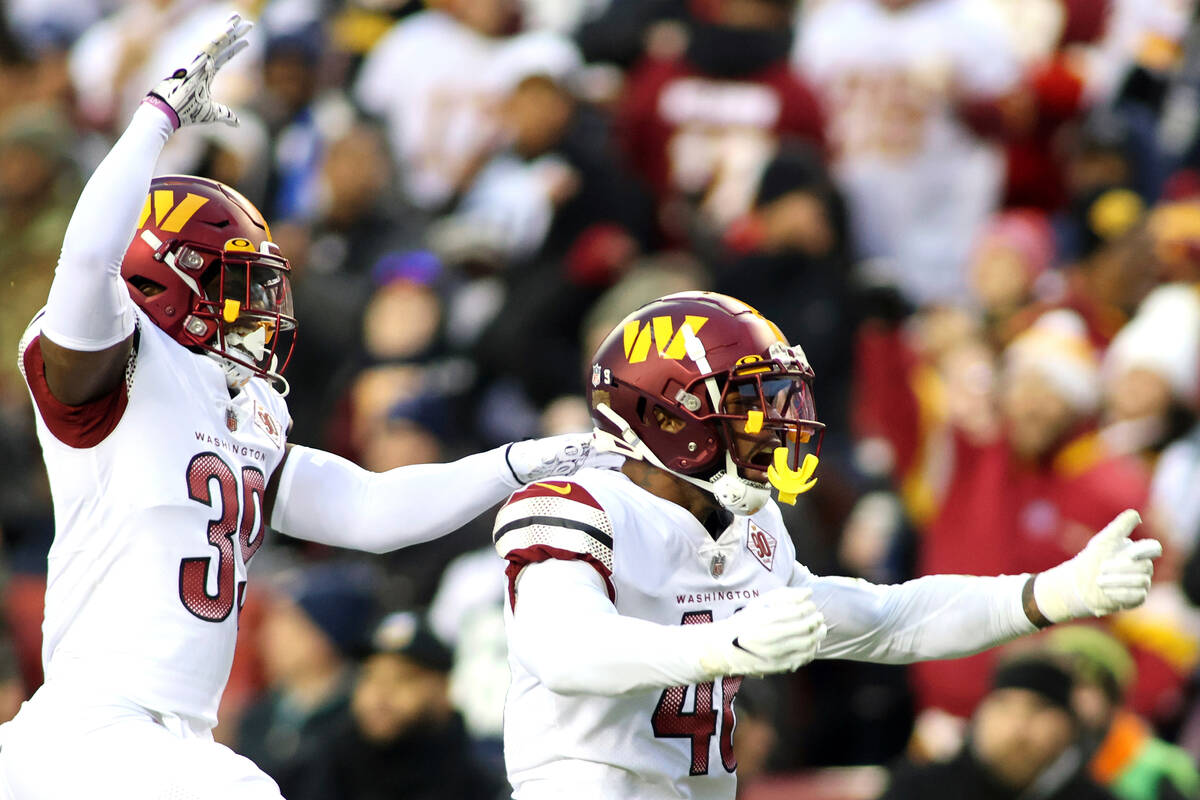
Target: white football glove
x,y
1111,574
186,94
556,456
777,632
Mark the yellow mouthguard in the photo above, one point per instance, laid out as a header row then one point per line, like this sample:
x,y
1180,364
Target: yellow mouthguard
x,y
788,481
754,421
232,310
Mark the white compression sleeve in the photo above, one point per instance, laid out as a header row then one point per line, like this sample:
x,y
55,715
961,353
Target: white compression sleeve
x,y
89,308
568,634
938,616
327,499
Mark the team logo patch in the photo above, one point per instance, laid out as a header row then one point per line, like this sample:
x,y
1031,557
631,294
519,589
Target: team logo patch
x,y
265,422
231,419
716,567
761,545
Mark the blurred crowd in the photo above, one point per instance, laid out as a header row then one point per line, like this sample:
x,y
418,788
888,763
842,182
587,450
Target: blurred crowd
x,y
979,218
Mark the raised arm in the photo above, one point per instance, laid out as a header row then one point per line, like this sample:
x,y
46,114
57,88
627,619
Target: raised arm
x,y
87,328
323,498
949,616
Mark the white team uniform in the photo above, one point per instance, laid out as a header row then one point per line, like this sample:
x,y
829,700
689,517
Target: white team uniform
x,y
661,565
158,501
919,184
429,79
660,560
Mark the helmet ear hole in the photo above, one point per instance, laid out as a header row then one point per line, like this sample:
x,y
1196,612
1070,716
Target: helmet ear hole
x,y
147,287
668,421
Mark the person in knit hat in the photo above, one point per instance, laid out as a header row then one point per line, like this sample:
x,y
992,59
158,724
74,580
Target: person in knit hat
x,y
400,737
1151,372
1013,252
1051,383
314,629
1125,754
1023,743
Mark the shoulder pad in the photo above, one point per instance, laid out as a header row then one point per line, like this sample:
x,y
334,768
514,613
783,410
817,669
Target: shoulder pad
x,y
555,514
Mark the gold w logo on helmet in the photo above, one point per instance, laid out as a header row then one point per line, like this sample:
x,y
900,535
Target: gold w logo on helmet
x,y
661,332
168,216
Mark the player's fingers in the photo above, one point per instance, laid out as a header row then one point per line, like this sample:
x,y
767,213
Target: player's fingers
x,y
1121,526
779,636
1141,568
234,29
1127,598
785,595
225,114
229,53
1124,581
1142,549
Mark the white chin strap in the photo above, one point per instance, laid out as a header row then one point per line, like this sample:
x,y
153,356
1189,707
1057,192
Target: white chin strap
x,y
253,346
734,493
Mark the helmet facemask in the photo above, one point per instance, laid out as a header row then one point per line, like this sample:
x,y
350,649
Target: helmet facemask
x,y
242,315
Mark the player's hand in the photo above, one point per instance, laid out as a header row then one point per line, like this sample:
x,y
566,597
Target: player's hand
x,y
556,456
186,93
1111,574
777,632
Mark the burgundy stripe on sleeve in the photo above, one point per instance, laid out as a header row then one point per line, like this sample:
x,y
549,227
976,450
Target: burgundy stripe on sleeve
x,y
81,426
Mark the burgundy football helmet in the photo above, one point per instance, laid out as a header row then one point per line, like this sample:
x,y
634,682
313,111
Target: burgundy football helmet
x,y
705,387
202,266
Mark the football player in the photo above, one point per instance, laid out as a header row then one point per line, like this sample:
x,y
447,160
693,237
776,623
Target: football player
x,y
637,598
156,375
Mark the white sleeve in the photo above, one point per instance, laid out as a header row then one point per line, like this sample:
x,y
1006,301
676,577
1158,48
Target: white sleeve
x,y
938,616
327,499
568,634
89,307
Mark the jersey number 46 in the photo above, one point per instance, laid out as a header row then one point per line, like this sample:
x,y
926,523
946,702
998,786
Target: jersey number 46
x,y
670,721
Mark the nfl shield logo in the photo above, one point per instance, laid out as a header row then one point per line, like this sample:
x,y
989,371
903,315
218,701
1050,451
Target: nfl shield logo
x,y
717,566
230,419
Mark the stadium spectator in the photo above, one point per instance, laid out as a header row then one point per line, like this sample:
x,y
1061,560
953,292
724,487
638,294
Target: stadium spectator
x,y
429,80
401,736
1152,374
1124,753
1023,743
700,125
562,216
312,631
916,91
1026,491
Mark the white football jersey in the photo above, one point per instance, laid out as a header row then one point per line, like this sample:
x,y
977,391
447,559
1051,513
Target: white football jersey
x,y
918,182
158,501
430,80
660,565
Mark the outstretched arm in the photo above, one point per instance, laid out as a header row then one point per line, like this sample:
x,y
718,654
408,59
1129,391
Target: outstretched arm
x,y
324,498
949,616
88,325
